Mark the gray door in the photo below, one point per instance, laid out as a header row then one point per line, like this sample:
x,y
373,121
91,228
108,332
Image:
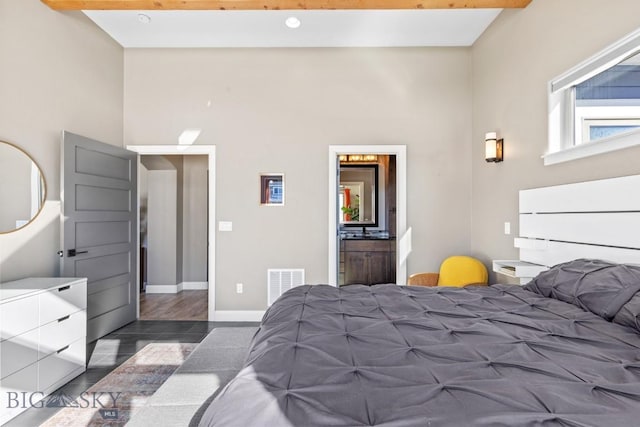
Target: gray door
x,y
99,229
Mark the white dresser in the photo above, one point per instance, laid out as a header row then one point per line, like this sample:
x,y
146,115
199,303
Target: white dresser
x,y
43,329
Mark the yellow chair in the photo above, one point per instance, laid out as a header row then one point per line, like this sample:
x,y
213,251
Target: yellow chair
x,y
454,271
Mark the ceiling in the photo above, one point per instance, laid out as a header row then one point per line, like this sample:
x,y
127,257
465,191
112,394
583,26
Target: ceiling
x,y
318,28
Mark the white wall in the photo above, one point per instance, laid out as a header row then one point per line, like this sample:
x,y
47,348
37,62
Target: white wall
x,y
513,62
15,187
58,72
278,110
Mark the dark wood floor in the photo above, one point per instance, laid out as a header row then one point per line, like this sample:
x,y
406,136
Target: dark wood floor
x,y
185,305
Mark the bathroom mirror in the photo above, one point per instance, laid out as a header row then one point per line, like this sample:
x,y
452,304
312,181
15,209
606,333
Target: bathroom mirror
x,y
358,202
22,188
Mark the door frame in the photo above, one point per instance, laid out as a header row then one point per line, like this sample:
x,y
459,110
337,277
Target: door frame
x,y
400,151
210,151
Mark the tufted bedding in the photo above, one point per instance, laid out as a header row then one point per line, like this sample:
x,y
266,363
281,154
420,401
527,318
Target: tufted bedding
x,y
390,355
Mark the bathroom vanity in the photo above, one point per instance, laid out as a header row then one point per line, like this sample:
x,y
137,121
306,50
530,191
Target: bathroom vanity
x,y
367,259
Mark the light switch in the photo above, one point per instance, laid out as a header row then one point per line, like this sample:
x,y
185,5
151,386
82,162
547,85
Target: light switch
x,y
507,228
225,226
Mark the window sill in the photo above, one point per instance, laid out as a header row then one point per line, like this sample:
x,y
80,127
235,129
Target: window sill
x,y
593,148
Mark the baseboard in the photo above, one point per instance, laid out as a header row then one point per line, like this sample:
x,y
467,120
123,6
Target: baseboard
x,y
238,316
163,289
195,286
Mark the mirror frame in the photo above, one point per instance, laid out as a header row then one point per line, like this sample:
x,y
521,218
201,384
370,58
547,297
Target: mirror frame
x,y
44,187
375,205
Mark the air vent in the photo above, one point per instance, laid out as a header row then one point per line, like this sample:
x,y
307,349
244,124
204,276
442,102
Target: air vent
x,y
281,280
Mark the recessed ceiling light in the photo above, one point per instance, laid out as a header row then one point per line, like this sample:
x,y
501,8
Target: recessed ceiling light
x,y
189,136
144,19
292,22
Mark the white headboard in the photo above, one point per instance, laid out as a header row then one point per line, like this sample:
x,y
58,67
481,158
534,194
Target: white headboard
x,y
594,219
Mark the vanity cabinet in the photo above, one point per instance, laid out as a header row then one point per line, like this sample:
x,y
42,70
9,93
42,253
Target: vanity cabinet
x,y
368,262
43,329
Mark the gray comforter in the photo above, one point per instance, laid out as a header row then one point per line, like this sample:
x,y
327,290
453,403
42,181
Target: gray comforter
x,y
389,355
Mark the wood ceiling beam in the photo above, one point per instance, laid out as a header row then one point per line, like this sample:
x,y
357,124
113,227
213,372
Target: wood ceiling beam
x,y
279,4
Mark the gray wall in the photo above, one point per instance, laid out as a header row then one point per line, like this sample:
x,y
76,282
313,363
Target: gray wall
x,y
188,224
161,227
278,110
513,62
179,167
143,201
194,227
58,72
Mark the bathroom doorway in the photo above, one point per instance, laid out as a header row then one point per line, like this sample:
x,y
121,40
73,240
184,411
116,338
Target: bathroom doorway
x,y
394,222
366,219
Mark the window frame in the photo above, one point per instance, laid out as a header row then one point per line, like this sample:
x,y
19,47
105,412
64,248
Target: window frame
x,y
562,146
587,123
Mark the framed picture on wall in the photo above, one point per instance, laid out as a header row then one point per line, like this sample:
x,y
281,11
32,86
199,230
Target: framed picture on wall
x,y
272,189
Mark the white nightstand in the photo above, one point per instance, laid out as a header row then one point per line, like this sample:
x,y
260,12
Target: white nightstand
x,y
525,271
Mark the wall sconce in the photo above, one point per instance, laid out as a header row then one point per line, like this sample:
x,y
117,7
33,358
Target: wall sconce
x,y
493,147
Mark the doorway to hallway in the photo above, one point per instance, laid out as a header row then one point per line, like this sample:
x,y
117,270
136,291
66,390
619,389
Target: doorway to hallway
x,y
184,239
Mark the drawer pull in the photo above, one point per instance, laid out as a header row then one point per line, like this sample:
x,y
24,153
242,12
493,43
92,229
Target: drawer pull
x,y
62,349
62,319
64,288
73,252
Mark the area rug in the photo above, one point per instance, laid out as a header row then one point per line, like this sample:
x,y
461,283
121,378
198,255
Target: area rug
x,y
114,399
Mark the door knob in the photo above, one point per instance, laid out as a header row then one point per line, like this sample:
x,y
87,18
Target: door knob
x,y
73,252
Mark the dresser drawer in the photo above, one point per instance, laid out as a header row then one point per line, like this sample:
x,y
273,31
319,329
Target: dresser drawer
x,y
19,316
55,369
18,352
59,333
25,380
63,301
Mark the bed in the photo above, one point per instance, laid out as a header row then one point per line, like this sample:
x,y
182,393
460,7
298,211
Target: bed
x,y
562,350
409,356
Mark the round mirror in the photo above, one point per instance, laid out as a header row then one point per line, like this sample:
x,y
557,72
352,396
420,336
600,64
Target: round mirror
x,y
22,188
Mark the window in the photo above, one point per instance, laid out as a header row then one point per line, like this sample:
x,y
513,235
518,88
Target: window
x,y
595,107
594,129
